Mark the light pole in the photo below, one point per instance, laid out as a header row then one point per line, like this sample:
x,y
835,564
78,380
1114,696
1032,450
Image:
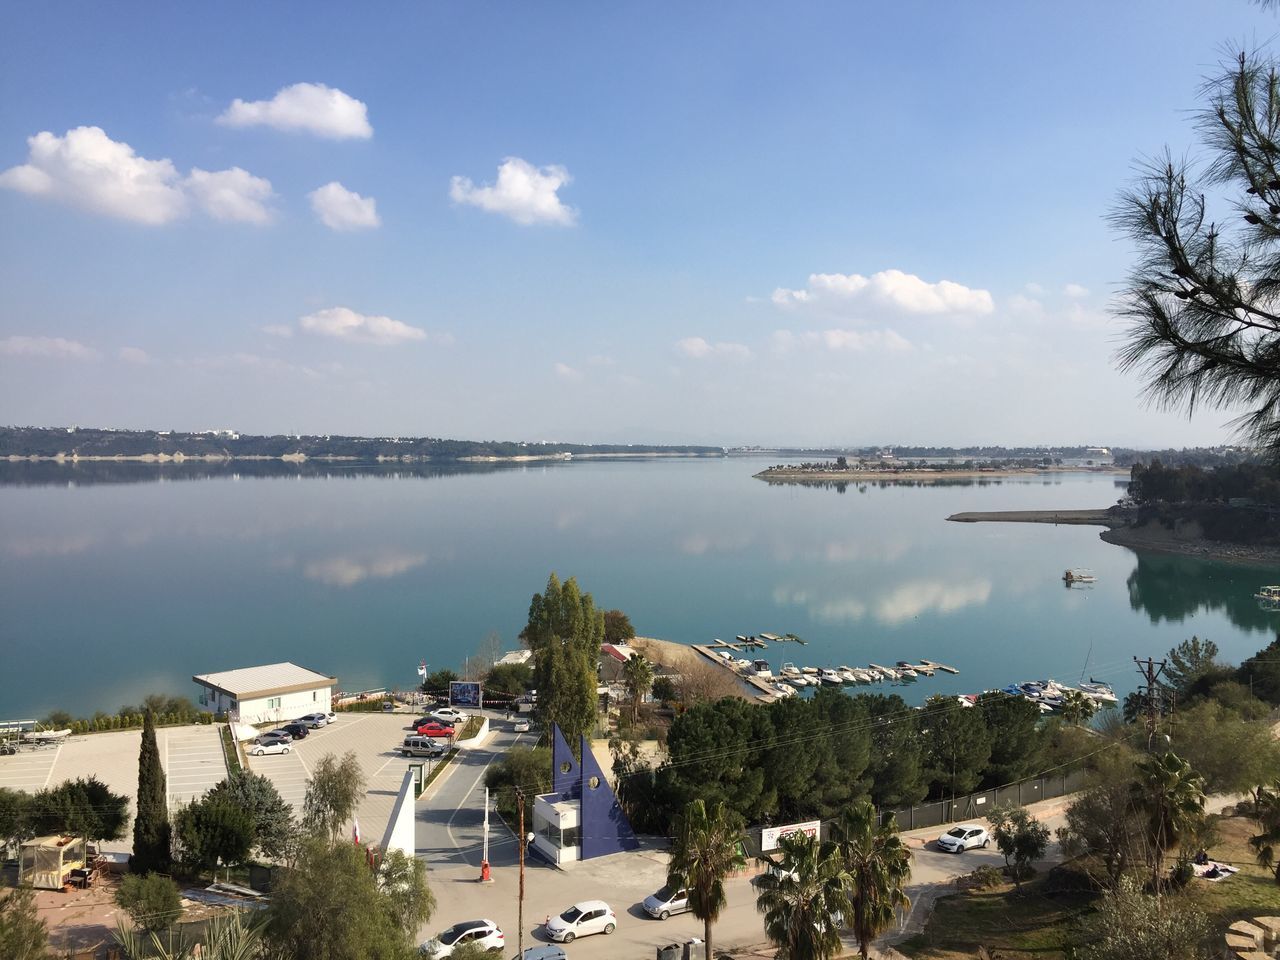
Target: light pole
x,y
524,841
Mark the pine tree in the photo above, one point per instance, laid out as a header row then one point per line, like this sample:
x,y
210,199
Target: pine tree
x,y
151,830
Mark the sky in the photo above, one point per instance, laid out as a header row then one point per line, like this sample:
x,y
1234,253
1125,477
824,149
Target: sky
x,y
753,223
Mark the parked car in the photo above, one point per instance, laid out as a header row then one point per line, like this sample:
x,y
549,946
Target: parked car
x,y
543,951
418,746
582,919
521,725
295,730
330,716
964,837
449,715
666,901
271,746
313,721
483,933
434,729
284,735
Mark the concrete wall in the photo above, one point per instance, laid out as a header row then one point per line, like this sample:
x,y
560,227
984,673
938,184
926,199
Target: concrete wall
x,y
279,709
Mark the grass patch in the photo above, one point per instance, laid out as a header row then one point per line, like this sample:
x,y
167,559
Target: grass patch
x,y
470,728
1034,923
438,766
1253,892
230,750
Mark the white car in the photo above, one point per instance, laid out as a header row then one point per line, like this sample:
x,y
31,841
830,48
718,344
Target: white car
x,y
964,837
665,902
270,746
483,933
521,726
448,715
587,917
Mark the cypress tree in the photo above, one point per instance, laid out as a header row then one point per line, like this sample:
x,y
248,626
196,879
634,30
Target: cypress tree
x,y
151,829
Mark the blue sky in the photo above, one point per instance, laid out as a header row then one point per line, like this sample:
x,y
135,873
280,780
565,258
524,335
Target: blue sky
x,y
598,222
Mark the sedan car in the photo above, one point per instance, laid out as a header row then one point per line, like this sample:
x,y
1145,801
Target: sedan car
x,y
483,933
295,730
666,901
270,746
313,721
964,837
448,715
434,729
587,917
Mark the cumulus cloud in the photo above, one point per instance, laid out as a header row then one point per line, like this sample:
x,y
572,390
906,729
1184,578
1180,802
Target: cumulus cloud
x,y
523,192
348,571
234,194
842,293
342,323
839,339
1075,291
134,355
85,168
55,347
566,372
699,348
307,108
341,209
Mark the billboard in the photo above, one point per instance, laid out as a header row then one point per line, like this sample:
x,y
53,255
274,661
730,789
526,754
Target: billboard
x,y
769,835
465,693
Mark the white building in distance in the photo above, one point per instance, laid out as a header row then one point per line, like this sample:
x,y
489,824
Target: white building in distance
x,y
267,694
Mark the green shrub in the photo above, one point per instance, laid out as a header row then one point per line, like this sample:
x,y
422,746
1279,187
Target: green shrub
x,y
151,900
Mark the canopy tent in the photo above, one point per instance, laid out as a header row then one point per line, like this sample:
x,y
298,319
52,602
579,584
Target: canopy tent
x,y
45,862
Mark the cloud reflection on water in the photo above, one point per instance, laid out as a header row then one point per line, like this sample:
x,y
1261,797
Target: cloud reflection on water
x,y
347,571
910,600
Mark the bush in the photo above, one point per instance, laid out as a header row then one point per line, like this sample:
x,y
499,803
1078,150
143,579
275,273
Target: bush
x,y
985,877
151,900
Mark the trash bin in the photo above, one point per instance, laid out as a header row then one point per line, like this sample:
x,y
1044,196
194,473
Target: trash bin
x,y
670,952
695,949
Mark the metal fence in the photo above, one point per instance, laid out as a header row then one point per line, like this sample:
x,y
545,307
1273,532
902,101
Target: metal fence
x,y
979,804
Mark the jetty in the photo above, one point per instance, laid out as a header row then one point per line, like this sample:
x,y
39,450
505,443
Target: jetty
x,y
763,690
1104,517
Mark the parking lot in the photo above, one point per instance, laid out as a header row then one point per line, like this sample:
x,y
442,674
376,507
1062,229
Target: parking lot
x,y
28,770
193,762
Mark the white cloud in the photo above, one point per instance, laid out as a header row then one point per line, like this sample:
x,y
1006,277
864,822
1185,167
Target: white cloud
x,y
523,192
341,209
342,323
1075,291
783,341
699,348
58,347
601,360
233,194
842,293
306,107
134,355
348,571
566,372
278,330
87,169
1024,305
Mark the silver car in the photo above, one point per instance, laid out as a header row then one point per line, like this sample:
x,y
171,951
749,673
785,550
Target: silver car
x,y
666,901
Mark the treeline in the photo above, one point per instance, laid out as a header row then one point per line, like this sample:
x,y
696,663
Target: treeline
x,y
1158,483
1186,457
89,442
167,711
801,759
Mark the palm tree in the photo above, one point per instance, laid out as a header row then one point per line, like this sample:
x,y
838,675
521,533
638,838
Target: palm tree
x,y
1171,796
638,673
803,899
706,849
1267,812
878,865
1077,708
231,936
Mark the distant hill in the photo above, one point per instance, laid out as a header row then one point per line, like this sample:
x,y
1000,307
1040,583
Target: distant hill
x,y
81,442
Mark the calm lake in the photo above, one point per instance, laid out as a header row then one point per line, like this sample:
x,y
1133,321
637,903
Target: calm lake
x,y
118,579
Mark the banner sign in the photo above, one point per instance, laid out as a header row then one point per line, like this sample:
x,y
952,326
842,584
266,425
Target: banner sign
x,y
769,836
464,693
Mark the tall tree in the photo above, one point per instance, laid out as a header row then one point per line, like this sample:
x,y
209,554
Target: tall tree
x,y
878,866
1077,708
1266,843
1188,662
707,848
82,807
1103,820
895,775
1171,796
213,831
332,795
638,674
617,627
1203,300
803,898
272,818
564,631
1017,738
957,745
23,935
152,834
1021,838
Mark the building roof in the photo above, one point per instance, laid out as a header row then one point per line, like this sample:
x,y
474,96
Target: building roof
x,y
265,681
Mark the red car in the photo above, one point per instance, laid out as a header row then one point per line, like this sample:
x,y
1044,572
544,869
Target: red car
x,y
434,729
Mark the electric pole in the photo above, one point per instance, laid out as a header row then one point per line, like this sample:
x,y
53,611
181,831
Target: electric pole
x,y
520,908
1151,671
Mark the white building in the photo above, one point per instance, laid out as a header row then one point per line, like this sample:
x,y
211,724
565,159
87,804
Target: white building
x,y
267,694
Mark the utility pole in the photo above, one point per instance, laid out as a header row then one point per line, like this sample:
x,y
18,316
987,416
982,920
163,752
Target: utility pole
x,y
520,908
1151,671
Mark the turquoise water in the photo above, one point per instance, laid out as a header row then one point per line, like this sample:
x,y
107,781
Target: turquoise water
x,y
113,585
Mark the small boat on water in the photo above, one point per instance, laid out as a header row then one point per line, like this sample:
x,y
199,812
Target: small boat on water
x,y
1078,575
830,677
744,665
783,690
847,675
1098,691
763,671
1268,593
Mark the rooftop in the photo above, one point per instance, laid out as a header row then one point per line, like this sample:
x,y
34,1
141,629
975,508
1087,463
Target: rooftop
x,y
269,679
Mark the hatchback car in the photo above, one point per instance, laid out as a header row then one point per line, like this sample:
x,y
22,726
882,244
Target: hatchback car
x,y
284,735
666,901
313,721
271,746
330,716
964,837
295,730
582,919
435,730
483,933
448,715
521,726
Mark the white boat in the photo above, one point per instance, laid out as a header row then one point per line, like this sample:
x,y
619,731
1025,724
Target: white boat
x,y
1078,575
906,673
830,677
763,671
783,690
789,669
809,671
1268,593
798,681
848,676
744,665
1096,690
45,736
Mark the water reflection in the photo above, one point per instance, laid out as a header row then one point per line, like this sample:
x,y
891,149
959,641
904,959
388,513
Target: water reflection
x,y
1172,588
347,571
908,601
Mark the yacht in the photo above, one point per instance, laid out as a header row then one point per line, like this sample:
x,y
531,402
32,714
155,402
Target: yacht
x,y
830,677
847,675
762,669
1096,690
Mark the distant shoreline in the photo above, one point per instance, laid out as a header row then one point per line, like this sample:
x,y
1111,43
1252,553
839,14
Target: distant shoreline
x,y
1150,537
799,475
180,457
